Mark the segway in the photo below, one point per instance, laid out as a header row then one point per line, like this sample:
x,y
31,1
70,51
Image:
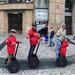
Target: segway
x,y
61,61
33,62
13,66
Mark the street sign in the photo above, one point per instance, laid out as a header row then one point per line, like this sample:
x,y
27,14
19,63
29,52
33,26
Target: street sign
x,y
57,6
41,14
68,13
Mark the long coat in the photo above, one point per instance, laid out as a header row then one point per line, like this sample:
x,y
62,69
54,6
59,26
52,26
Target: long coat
x,y
11,44
33,36
63,47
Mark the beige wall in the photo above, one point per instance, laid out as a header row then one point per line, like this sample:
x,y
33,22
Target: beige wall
x,y
73,19
27,21
56,16
6,24
16,6
27,16
3,23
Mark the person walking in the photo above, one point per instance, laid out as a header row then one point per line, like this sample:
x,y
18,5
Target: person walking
x,y
60,35
51,36
34,37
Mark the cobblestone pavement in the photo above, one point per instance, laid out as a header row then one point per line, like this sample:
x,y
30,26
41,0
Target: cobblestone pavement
x,y
46,56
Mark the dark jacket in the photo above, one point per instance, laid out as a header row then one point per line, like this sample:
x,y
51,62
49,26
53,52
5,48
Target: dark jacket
x,y
52,34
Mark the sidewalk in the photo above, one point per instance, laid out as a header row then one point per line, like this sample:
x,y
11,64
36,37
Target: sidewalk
x,y
46,56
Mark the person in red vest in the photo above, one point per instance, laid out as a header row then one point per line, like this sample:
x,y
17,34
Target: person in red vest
x,y
11,44
34,37
63,47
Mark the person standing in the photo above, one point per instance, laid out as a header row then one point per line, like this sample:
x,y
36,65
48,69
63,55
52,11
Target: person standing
x,y
51,36
34,37
62,61
60,35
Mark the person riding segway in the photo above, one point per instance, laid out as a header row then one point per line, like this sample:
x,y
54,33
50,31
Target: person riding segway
x,y
62,61
34,37
33,62
12,63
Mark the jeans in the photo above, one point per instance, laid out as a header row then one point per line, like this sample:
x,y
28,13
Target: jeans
x,y
51,42
58,44
32,48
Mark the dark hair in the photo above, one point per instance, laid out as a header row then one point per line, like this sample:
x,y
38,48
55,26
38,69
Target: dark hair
x,y
34,24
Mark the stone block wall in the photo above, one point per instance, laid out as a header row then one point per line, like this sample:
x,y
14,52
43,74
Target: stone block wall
x,y
56,13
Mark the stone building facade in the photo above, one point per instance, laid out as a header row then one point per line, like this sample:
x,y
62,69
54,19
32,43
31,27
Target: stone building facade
x,y
26,9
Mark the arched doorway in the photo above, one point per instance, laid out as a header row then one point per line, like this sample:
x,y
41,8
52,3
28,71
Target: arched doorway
x,y
68,16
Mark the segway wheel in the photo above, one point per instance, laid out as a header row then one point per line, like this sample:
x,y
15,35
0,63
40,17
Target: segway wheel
x,y
13,66
33,62
6,61
61,61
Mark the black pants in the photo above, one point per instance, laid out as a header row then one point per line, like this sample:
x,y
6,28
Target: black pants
x,y
32,48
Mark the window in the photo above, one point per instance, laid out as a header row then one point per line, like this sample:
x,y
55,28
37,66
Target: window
x,y
39,3
15,1
28,1
68,6
45,3
2,1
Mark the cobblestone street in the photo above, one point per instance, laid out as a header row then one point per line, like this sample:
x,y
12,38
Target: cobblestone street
x,y
46,56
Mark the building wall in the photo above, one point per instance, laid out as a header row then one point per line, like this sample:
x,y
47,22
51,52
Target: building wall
x,y
73,19
27,21
3,23
56,15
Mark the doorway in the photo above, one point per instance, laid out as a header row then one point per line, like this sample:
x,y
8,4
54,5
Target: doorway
x,y
68,16
15,21
68,22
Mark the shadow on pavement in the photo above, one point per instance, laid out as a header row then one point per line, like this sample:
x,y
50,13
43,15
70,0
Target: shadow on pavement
x,y
44,63
70,60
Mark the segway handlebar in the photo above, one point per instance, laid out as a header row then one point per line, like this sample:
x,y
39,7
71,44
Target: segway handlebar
x,y
17,48
38,45
70,41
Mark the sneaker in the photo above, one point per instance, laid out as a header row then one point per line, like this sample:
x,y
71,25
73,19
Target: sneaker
x,y
50,45
53,44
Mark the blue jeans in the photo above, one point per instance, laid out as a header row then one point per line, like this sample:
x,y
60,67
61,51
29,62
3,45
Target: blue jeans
x,y
32,48
51,42
58,44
